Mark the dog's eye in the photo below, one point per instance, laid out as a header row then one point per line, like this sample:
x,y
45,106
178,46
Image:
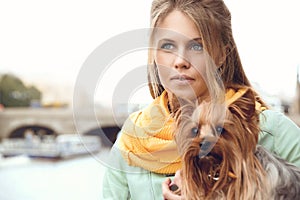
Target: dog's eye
x,y
194,131
219,129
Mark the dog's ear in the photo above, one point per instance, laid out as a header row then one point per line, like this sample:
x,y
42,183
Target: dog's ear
x,y
244,112
244,106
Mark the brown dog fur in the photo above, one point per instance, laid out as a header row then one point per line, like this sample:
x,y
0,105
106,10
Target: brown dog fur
x,y
221,158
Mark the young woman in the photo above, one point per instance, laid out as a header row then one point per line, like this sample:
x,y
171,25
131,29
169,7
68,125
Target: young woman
x,y
192,55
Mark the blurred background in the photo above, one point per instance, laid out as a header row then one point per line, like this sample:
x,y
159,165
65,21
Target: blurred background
x,y
43,45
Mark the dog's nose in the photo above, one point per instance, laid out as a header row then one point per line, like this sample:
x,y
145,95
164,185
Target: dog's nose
x,y
205,145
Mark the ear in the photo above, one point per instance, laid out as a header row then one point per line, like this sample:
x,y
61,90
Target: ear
x,y
246,117
243,105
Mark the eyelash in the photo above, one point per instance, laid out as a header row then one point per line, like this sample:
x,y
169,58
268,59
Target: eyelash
x,y
170,46
200,48
164,46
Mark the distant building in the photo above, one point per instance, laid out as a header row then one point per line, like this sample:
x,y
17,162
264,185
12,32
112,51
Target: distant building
x,y
297,97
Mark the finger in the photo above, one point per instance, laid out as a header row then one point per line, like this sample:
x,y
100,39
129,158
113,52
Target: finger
x,y
177,178
167,193
166,184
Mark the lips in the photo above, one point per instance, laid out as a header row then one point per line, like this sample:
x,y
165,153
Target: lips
x,y
182,77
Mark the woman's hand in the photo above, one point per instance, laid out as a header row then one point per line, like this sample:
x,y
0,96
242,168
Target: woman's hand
x,y
168,194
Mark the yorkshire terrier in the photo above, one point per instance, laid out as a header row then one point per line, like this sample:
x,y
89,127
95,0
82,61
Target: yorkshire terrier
x,y
221,158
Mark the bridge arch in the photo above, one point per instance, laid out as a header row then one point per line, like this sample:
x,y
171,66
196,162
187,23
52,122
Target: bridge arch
x,y
39,130
108,134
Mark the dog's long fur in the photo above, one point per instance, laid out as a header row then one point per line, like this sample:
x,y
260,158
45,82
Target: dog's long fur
x,y
221,158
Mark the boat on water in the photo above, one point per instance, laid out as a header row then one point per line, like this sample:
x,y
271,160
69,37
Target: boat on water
x,y
61,146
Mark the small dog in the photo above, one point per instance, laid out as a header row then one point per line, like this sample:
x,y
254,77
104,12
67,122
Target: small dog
x,y
221,157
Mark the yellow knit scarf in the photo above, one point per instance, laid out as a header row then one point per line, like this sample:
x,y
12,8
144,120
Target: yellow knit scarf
x,y
147,137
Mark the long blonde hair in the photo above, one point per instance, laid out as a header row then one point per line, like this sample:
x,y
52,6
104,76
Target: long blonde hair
x,y
213,21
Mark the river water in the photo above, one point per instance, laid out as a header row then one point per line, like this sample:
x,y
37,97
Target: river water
x,y
23,178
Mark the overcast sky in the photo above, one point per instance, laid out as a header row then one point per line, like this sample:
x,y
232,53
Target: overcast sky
x,y
46,42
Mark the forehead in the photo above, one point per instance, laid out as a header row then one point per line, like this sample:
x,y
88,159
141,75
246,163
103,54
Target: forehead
x,y
178,24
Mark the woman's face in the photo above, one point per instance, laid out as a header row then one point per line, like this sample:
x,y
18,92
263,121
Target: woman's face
x,y
179,56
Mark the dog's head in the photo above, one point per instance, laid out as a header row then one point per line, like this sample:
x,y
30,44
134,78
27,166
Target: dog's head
x,y
215,141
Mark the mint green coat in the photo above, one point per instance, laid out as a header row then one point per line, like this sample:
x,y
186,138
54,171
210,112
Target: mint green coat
x,y
121,182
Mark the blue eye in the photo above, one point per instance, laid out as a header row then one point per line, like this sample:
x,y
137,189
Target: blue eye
x,y
194,131
167,46
219,129
196,47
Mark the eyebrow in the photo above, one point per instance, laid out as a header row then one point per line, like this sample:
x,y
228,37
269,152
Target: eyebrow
x,y
166,40
199,39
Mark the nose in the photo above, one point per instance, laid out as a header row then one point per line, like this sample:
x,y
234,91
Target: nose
x,y
205,145
181,62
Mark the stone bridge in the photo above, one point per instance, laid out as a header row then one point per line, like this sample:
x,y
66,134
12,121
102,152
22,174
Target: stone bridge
x,y
14,122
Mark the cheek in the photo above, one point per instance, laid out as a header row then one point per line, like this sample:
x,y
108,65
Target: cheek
x,y
165,74
200,86
163,59
162,73
199,64
163,62
200,74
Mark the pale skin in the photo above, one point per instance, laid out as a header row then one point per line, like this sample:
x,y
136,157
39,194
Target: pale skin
x,y
167,194
180,58
181,67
